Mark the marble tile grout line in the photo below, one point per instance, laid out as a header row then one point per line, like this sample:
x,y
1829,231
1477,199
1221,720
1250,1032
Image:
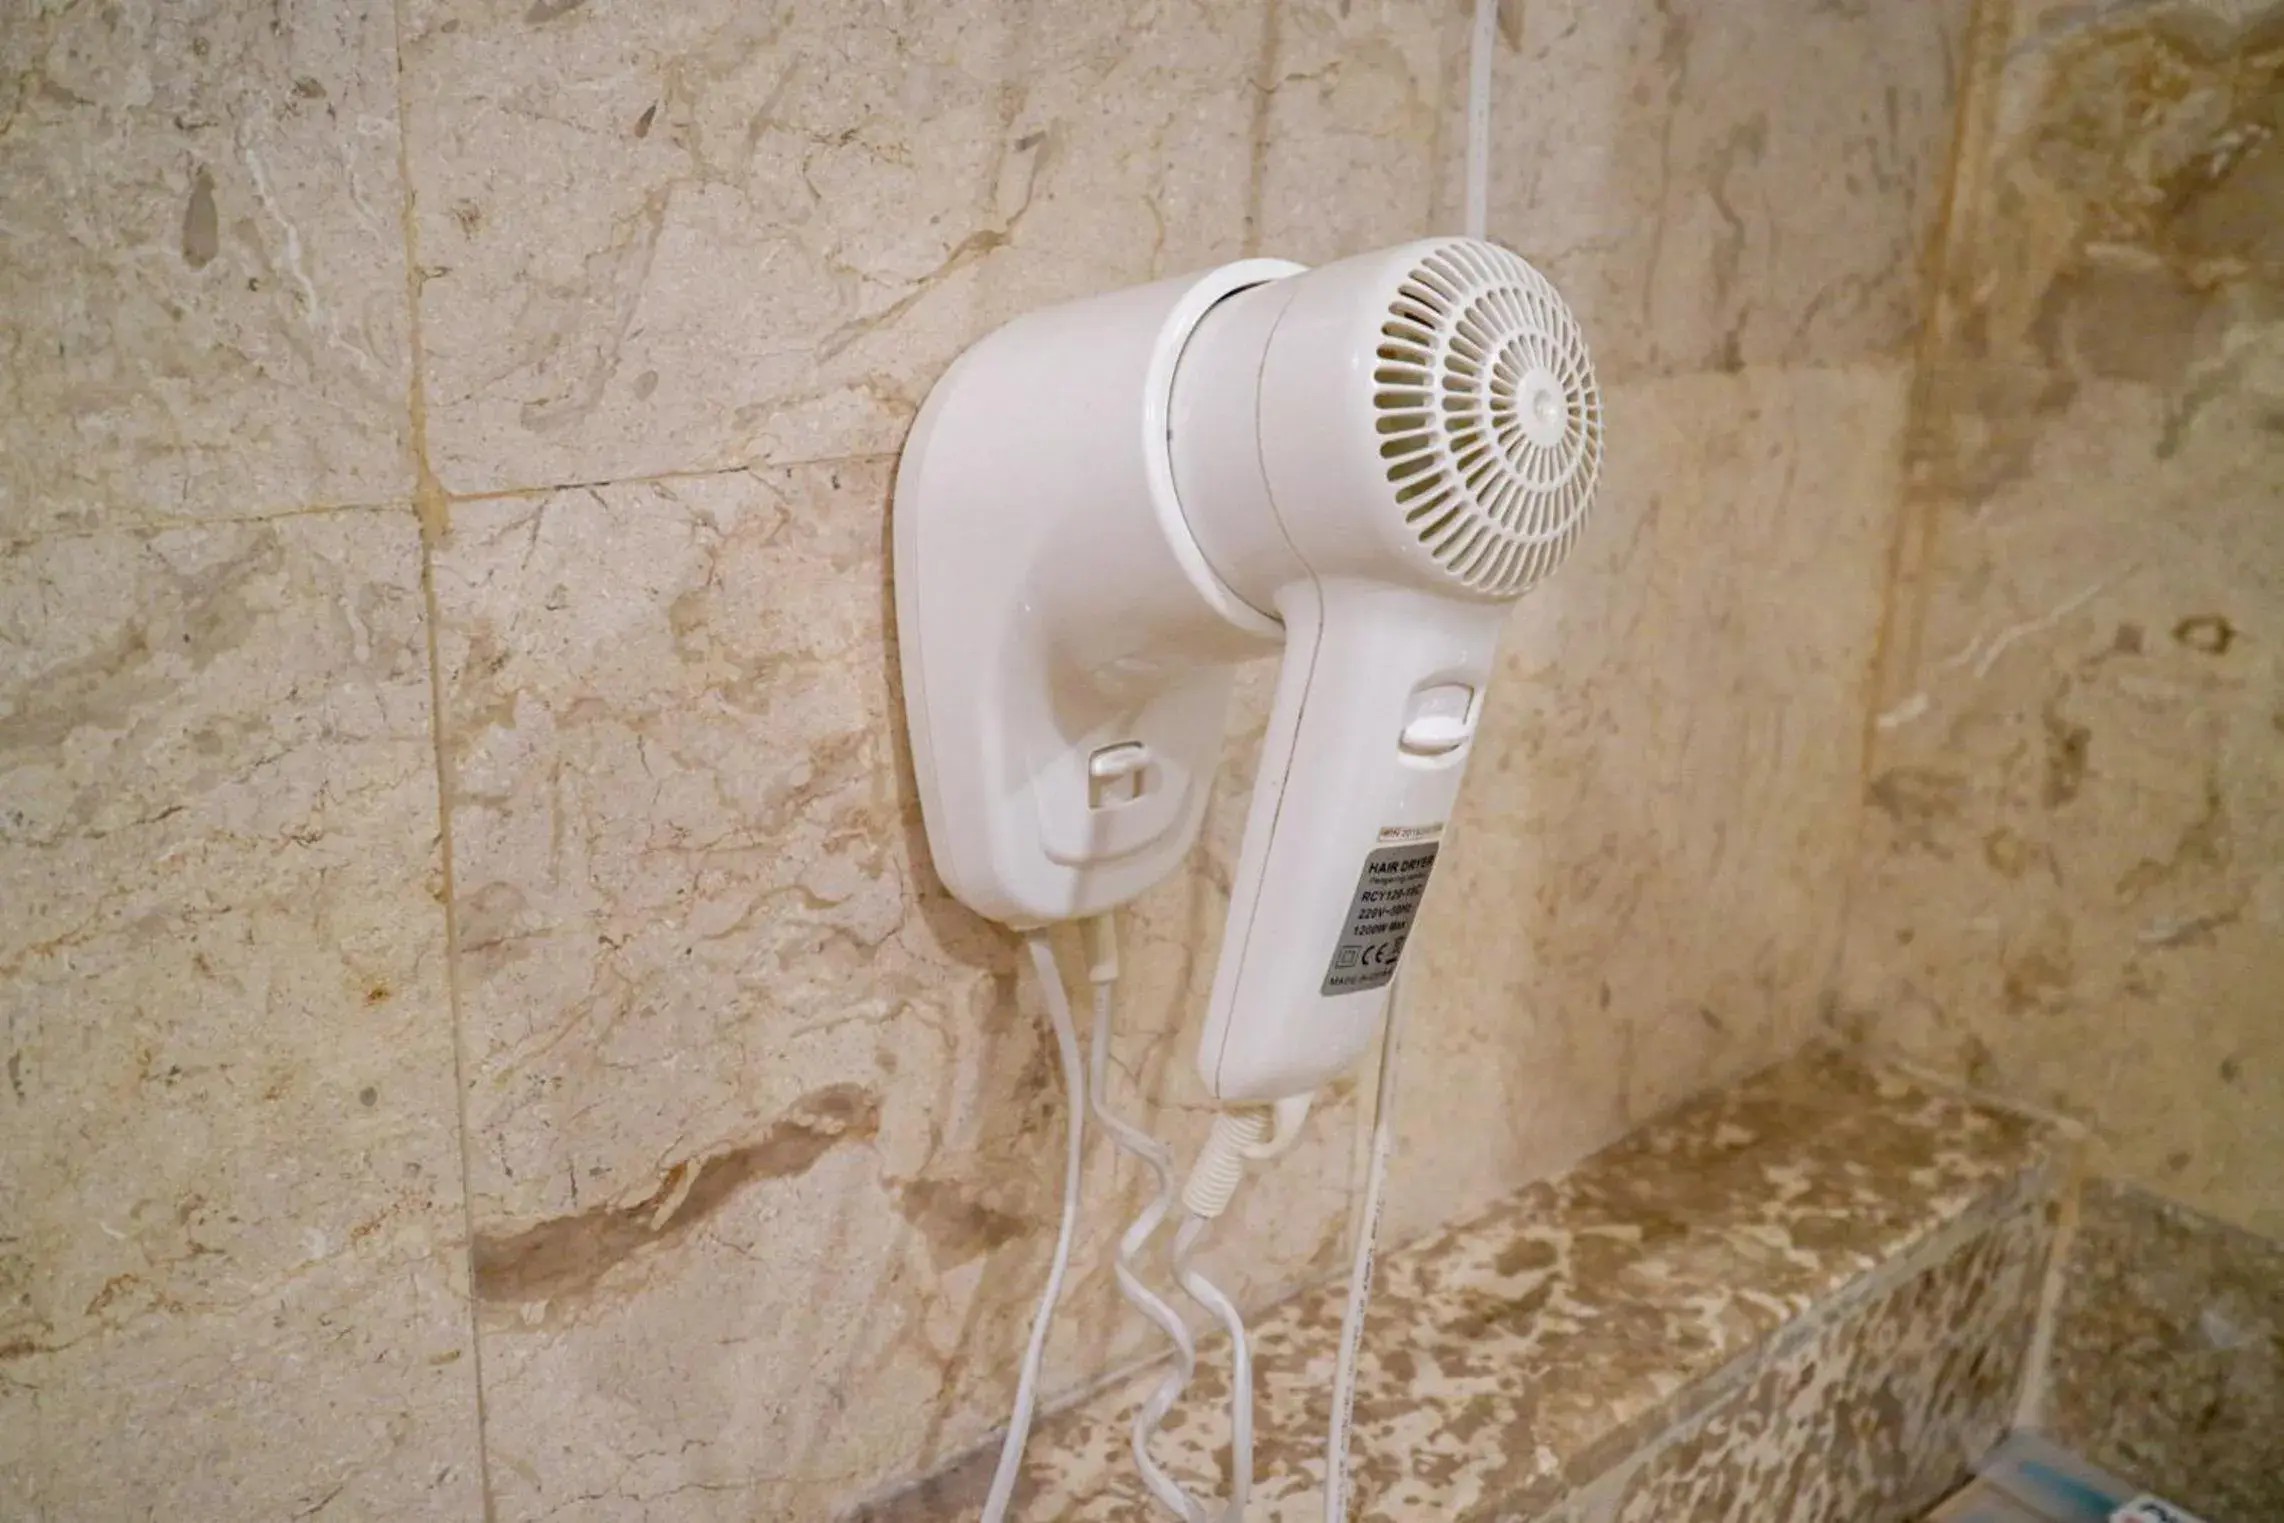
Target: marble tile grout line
x,y
2030,1407
430,496
452,499
432,509
1982,39
1907,551
1257,130
2069,1127
156,524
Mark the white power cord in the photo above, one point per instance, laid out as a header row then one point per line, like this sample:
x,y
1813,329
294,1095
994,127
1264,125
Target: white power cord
x,y
1238,1136
1074,1087
1360,1269
1208,1295
1480,50
1102,972
1152,1412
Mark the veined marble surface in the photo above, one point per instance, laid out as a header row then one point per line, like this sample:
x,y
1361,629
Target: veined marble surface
x,y
2168,1364
233,1249
202,288
2072,883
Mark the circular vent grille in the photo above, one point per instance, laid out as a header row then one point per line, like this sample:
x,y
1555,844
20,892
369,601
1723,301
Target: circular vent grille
x,y
1488,416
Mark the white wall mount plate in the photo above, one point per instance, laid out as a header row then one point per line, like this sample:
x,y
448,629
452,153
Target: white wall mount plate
x,y
1066,649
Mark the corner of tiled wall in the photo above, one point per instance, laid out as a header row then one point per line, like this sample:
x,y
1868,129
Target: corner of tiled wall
x,y
2068,890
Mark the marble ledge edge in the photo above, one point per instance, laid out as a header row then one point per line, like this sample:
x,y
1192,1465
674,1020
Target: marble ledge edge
x,y
2048,1180
2044,1176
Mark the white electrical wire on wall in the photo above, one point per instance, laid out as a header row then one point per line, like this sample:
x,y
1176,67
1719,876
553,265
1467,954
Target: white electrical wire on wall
x,y
1074,1089
1480,51
1085,1087
1360,1268
1102,972
1208,1295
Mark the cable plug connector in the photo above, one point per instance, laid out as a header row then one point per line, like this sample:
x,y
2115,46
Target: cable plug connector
x,y
1220,1166
1289,1112
1251,1134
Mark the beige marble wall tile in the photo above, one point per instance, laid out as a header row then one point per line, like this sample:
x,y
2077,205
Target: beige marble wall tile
x,y
2073,878
202,286
690,237
2075,870
764,1130
231,1228
1361,109
1719,186
2168,1362
1705,210
1643,892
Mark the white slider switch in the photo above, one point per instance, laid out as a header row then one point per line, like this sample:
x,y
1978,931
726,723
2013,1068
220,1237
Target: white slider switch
x,y
1441,720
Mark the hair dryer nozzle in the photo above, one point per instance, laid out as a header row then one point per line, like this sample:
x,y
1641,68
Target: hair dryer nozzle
x,y
1426,414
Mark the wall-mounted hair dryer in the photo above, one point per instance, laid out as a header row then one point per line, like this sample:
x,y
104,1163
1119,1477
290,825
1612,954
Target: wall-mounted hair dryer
x,y
1106,505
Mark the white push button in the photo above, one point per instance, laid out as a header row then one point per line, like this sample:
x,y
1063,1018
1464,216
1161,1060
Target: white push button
x,y
1122,760
1441,719
1115,774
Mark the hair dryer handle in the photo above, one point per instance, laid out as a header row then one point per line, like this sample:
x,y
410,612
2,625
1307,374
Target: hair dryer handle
x,y
1374,718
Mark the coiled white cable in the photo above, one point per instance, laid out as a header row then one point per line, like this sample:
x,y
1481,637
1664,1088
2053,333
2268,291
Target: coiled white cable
x,y
1153,1412
1208,1295
1251,1134
1074,1089
1360,1269
1102,948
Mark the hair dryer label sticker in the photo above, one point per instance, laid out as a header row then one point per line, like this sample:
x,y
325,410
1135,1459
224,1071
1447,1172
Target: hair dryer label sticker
x,y
1379,921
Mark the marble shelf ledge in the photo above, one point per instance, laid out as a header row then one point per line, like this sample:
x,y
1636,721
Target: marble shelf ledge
x,y
1810,1296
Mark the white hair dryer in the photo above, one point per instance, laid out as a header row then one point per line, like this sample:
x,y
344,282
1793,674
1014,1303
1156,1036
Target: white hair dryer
x,y
1106,505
